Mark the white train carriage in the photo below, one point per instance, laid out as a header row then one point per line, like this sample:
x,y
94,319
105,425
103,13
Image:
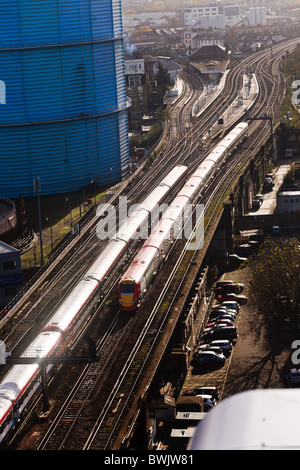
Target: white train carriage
x,y
235,137
73,310
103,265
136,224
174,177
138,276
169,228
191,189
6,420
22,381
206,170
218,155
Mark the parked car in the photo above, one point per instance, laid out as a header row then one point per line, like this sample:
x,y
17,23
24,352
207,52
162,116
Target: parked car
x,y
219,315
240,298
227,316
202,390
255,244
260,197
245,250
275,230
268,184
224,344
231,304
232,287
189,403
236,261
210,358
207,390
218,321
208,329
225,332
256,203
225,308
208,402
222,283
216,349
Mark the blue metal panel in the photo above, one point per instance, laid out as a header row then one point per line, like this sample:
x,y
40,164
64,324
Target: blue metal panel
x,y
65,117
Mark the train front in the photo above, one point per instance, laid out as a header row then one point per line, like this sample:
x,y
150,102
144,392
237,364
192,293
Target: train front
x,y
128,294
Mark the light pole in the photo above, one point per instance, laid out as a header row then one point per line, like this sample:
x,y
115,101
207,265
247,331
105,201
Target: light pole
x,y
70,202
51,235
37,190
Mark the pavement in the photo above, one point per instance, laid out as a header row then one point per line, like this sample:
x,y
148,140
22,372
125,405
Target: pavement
x,y
269,202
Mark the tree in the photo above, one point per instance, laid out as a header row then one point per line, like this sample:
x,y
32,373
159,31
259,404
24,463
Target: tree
x,y
275,280
164,82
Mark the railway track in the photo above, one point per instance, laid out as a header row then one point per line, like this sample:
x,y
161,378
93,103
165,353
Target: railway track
x,y
107,422
118,399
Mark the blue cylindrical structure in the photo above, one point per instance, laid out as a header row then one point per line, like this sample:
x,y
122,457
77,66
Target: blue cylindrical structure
x,y
64,116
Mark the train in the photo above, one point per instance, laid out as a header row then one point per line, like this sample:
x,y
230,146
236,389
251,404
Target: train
x,y
23,381
136,280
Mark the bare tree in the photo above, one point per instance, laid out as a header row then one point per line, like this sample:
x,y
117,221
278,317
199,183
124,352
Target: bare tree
x,y
275,280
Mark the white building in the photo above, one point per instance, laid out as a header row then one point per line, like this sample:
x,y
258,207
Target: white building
x,y
196,40
212,15
134,66
288,201
257,16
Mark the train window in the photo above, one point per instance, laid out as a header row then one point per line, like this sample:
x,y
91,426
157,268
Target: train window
x,y
7,265
127,288
10,291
